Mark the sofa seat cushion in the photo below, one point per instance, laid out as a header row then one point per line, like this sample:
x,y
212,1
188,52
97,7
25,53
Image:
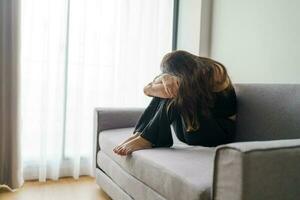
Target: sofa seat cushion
x,y
180,172
125,182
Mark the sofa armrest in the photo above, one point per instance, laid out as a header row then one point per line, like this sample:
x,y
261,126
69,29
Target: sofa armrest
x,y
112,118
257,170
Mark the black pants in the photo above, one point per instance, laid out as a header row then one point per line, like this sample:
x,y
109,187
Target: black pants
x,y
154,125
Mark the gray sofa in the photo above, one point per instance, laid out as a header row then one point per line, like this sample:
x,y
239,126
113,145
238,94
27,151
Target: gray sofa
x,y
262,164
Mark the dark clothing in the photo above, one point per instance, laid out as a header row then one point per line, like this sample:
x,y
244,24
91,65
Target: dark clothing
x,y
225,103
154,124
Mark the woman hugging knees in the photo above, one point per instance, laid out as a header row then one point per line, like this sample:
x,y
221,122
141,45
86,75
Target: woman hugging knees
x,y
194,95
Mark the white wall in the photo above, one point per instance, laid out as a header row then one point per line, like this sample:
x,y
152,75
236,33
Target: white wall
x,y
258,40
189,25
194,26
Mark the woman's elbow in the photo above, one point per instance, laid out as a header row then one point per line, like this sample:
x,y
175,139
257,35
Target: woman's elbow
x,y
146,90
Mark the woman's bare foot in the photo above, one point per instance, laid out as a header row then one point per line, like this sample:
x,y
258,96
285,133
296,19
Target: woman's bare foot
x,y
135,144
135,134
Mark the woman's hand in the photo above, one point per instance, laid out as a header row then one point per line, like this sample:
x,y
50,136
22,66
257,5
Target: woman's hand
x,y
164,86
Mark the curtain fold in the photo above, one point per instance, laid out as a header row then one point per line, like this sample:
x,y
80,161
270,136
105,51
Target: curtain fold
x,y
78,55
10,159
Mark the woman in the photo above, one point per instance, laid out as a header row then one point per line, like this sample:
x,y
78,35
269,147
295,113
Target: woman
x,y
193,94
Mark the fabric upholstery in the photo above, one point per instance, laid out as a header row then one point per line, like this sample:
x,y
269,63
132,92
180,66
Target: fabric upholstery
x,y
268,111
110,118
135,188
263,164
110,187
257,171
180,172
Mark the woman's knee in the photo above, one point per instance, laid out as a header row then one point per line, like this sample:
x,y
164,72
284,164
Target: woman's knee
x,y
155,100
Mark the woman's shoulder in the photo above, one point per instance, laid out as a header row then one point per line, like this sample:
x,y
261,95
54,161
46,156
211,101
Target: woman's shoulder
x,y
221,87
224,96
221,80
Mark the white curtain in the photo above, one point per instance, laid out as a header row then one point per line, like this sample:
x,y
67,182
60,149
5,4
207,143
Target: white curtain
x,y
78,55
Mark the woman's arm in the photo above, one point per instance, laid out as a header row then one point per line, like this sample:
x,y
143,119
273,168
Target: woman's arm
x,y
164,86
159,78
156,90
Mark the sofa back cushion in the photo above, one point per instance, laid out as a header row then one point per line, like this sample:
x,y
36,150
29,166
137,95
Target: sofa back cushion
x,y
268,111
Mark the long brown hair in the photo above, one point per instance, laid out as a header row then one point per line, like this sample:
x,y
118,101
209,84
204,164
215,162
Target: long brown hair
x,y
197,83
